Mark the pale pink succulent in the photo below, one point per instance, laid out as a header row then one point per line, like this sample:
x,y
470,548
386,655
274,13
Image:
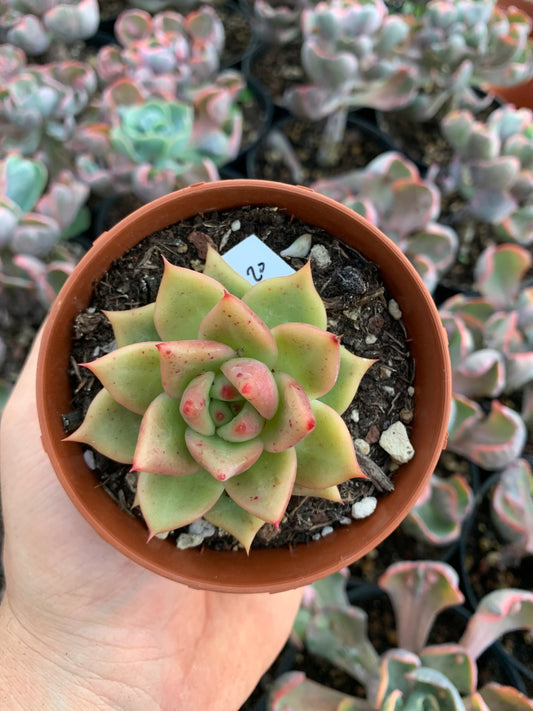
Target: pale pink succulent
x,y
226,399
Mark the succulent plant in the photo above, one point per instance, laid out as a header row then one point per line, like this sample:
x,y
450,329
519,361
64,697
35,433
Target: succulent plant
x,y
277,24
154,6
391,194
150,146
455,47
166,53
350,54
492,168
439,513
414,675
235,416
512,509
33,25
40,105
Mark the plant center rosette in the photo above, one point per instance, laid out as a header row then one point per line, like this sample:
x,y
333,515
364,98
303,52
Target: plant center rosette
x,y
226,399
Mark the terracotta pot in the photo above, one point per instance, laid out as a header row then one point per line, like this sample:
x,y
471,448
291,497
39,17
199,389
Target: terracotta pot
x,y
269,569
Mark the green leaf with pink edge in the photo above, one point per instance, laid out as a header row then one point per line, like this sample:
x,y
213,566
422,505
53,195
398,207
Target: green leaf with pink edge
x,y
130,374
217,268
499,271
183,299
110,428
223,459
133,325
292,298
161,444
475,702
316,468
418,592
180,361
394,667
194,404
264,490
255,383
222,389
232,518
351,371
169,502
503,698
497,613
309,354
246,425
294,418
220,412
455,663
294,692
330,493
232,322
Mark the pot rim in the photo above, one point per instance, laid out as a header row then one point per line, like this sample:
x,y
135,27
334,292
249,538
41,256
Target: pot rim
x,y
272,570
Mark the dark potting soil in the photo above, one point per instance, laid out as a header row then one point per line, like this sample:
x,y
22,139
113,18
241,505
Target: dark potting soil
x,y
357,306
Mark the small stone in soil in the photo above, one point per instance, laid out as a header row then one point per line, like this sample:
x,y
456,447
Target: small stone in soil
x,y
364,507
395,441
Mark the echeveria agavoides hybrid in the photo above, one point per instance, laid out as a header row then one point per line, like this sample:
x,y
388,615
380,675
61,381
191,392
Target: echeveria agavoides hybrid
x,y
226,399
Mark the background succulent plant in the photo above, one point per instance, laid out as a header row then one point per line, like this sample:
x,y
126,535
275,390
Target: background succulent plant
x,y
239,413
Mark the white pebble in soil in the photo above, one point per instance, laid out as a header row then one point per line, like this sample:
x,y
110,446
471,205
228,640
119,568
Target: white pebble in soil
x,y
395,441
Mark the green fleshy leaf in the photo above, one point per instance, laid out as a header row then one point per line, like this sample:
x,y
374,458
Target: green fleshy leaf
x,y
183,299
351,372
294,418
310,355
222,389
131,375
285,299
246,425
161,447
330,493
265,488
232,322
110,428
255,383
169,502
133,325
194,405
220,412
453,661
223,459
228,515
181,361
217,268
316,468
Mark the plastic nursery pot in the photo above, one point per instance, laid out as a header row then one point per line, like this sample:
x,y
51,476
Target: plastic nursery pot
x,y
263,570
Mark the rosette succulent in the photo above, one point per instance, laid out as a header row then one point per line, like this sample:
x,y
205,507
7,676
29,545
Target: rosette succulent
x,y
226,399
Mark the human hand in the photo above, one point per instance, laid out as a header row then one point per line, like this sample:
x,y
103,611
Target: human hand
x,y
81,626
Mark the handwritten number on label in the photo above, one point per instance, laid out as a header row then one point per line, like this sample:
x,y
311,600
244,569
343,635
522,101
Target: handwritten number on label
x,y
251,271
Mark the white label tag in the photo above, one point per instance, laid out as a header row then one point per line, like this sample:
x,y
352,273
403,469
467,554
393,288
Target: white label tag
x,y
253,260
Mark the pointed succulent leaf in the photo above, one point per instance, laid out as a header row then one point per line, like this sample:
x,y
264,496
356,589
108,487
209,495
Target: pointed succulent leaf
x,y
217,268
418,592
502,698
194,404
169,502
233,323
464,414
341,637
315,470
255,382
222,389
330,493
133,325
246,425
183,360
183,299
232,518
309,354
294,418
453,661
294,692
292,298
352,368
161,447
110,428
497,613
265,488
130,374
222,459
